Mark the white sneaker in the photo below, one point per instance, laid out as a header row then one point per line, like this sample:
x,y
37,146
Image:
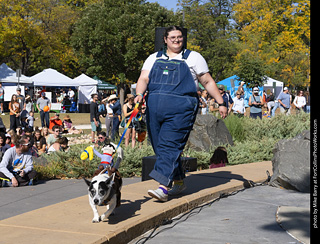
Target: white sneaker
x,y
177,188
3,114
161,194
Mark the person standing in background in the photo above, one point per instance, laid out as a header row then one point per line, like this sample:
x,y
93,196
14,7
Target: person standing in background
x,y
300,102
94,117
1,99
21,99
41,103
238,105
14,108
284,100
255,103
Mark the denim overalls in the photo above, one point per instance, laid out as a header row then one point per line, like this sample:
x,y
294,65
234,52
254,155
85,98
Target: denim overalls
x,y
172,105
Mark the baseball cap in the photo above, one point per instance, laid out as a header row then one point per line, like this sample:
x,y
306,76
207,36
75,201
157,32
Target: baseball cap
x,y
286,88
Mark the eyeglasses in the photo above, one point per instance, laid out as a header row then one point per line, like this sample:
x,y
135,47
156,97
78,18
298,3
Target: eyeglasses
x,y
57,131
99,137
173,38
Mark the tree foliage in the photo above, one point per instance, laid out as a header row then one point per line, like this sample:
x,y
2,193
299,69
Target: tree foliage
x,y
34,35
113,38
278,31
252,70
209,27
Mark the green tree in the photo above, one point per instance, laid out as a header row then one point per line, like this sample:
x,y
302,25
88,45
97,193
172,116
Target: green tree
x,y
34,35
113,38
209,27
251,70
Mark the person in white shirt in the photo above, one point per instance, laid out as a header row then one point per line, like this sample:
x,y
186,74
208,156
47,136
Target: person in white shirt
x,y
71,94
238,107
300,101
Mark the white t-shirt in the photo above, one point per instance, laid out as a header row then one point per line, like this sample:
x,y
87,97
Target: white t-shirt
x,y
196,63
299,101
70,93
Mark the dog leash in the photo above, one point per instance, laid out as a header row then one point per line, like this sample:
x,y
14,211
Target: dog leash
x,y
133,115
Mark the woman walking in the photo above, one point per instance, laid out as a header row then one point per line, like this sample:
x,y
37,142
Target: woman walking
x,y
171,77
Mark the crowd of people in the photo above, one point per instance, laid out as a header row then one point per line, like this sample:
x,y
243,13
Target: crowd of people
x,y
259,106
29,140
110,110
23,140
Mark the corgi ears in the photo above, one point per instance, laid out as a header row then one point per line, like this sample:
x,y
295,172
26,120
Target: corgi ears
x,y
88,182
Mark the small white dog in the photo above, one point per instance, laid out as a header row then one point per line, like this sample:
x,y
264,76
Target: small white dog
x,y
104,190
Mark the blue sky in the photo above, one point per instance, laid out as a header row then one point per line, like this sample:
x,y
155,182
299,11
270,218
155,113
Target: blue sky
x,y
169,4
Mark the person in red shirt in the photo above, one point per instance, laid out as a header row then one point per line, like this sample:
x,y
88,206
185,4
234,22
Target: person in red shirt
x,y
55,120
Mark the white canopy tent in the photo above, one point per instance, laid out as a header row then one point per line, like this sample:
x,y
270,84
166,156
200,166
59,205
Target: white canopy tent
x,y
87,86
10,81
8,75
272,85
51,77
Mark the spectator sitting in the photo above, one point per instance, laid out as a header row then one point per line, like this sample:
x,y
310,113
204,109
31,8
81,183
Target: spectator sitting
x,y
219,158
8,140
2,126
3,145
17,165
60,145
45,132
40,142
67,124
55,120
103,140
53,137
32,149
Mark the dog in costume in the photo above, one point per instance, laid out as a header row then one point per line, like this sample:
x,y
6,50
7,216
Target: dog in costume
x,y
105,187
107,158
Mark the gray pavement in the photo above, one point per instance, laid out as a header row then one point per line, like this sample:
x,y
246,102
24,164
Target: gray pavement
x,y
15,201
247,217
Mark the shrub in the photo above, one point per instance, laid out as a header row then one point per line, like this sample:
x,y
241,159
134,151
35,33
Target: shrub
x,y
254,141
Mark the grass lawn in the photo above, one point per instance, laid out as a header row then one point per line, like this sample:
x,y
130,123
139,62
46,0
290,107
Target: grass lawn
x,y
77,118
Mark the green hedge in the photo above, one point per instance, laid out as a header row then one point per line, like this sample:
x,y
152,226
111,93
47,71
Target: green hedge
x,y
254,140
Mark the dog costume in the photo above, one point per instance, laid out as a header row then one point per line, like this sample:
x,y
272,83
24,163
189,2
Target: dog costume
x,y
107,158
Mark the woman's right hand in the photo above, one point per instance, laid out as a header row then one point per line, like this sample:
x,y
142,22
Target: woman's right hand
x,y
138,99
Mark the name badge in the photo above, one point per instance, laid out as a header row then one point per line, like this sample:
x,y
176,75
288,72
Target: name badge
x,y
166,72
